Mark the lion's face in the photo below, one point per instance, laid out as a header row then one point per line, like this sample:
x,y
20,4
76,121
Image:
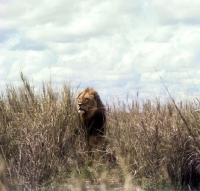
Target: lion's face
x,y
86,102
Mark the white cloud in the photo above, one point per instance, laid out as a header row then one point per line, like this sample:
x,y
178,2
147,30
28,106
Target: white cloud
x,y
161,35
179,11
115,46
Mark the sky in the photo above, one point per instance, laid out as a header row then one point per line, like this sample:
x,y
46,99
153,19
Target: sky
x,y
118,47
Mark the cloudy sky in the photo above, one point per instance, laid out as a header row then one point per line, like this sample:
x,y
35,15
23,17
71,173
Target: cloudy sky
x,y
119,47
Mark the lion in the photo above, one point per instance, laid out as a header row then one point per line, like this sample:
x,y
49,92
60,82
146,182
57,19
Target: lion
x,y
92,116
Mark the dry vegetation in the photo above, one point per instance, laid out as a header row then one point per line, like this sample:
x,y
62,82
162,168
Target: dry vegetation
x,y
151,146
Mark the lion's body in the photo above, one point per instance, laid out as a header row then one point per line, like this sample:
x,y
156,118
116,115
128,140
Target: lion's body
x,y
95,124
92,115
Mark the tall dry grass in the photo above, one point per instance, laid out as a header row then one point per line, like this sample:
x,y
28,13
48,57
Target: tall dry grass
x,y
158,144
150,145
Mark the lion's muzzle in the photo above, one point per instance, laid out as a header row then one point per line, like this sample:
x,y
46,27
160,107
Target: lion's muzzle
x,y
80,110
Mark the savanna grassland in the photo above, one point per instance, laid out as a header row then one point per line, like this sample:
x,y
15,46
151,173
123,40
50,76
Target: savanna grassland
x,y
150,145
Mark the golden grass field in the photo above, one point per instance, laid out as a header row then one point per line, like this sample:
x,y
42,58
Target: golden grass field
x,y
150,145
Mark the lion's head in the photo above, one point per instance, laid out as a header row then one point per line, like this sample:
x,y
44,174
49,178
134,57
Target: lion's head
x,y
88,102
